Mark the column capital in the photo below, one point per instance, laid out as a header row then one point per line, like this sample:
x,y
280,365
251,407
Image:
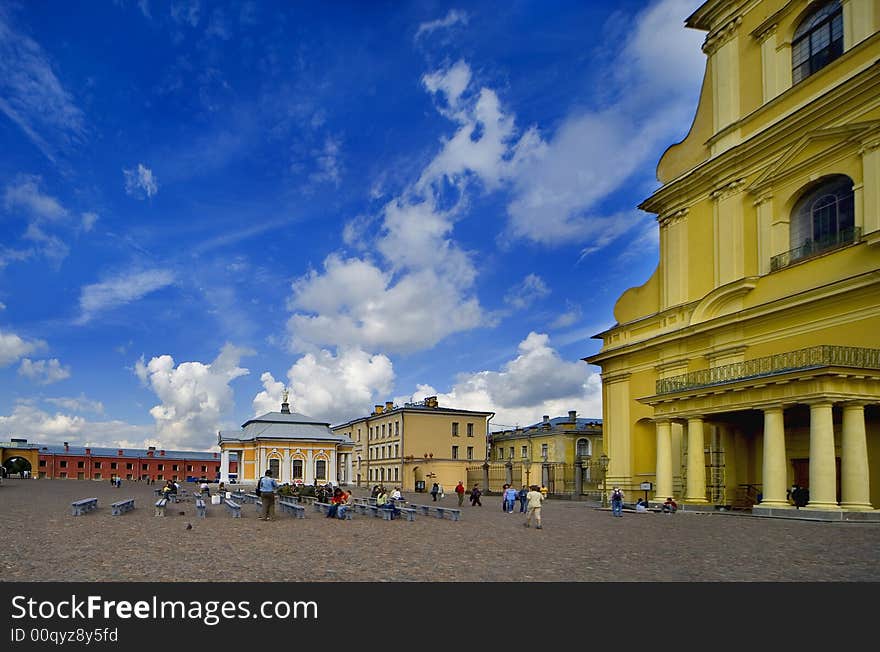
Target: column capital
x,y
855,403
819,402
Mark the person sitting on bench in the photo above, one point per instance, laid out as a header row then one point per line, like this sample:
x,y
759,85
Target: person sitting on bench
x,y
641,505
169,490
337,499
670,506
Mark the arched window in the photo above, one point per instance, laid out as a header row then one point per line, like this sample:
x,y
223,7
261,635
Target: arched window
x,y
297,469
583,447
320,470
817,41
824,217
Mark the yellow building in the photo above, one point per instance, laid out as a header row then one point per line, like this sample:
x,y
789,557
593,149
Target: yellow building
x,y
750,360
416,445
297,448
560,454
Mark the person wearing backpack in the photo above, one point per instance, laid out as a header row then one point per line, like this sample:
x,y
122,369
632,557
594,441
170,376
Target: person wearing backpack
x,y
617,502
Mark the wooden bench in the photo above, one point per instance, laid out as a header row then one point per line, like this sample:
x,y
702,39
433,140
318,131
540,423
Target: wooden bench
x,y
234,508
120,507
160,507
297,511
84,506
201,509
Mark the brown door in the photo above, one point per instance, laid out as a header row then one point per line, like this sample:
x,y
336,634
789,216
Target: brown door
x,y
801,468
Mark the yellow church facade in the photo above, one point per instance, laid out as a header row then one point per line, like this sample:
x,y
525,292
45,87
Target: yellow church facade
x,y
750,361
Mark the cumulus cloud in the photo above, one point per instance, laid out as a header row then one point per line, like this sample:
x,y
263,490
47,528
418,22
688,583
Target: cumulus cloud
x,y
453,17
88,221
194,396
77,404
13,348
140,182
534,383
39,426
119,291
331,387
44,372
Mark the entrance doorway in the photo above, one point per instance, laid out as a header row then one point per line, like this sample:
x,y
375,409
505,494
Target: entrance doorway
x,y
801,473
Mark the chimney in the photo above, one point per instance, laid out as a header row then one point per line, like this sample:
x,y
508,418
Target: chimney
x,y
88,451
546,418
389,405
431,402
162,453
150,451
66,447
215,456
379,409
119,452
572,416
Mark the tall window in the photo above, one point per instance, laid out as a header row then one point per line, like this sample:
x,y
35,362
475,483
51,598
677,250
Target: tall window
x,y
320,469
455,428
524,451
824,217
470,452
274,466
817,41
583,447
298,469
470,430
455,452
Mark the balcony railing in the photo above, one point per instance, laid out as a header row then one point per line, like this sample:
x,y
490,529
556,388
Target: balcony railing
x,y
810,358
815,247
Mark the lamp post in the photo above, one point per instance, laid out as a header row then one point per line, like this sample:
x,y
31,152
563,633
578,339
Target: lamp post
x,y
603,467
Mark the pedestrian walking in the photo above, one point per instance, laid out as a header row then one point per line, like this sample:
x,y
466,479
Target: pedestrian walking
x,y
617,502
266,488
510,495
435,489
522,494
459,490
475,496
536,501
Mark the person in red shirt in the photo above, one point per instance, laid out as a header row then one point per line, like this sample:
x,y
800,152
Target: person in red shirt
x,y
459,489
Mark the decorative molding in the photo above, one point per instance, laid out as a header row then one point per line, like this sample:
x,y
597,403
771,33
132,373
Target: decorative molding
x,y
726,190
715,40
765,31
672,218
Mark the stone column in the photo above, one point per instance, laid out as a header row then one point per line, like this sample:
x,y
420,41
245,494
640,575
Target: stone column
x,y
286,475
823,466
854,474
224,466
309,470
663,489
695,492
348,468
773,472
730,474
261,469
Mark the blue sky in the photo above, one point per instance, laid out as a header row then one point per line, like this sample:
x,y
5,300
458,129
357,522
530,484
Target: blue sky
x,y
203,202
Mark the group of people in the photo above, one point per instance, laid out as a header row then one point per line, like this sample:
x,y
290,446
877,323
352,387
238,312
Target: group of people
x,y
668,507
340,501
510,495
116,481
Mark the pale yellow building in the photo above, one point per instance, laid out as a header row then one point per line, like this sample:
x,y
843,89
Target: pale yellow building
x,y
417,444
297,448
750,360
561,454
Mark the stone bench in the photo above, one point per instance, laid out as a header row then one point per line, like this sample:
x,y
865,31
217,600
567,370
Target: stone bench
x,y
234,508
325,507
439,512
237,495
84,506
251,498
297,511
408,513
120,507
160,507
201,509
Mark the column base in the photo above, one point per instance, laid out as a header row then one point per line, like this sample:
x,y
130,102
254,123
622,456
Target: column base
x,y
825,507
774,504
857,507
694,501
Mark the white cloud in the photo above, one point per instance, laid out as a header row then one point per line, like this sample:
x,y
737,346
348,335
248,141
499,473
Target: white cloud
x,y
327,163
13,348
194,396
335,388
77,404
569,317
32,96
119,291
26,195
453,17
537,382
140,182
88,221
40,427
44,372
525,293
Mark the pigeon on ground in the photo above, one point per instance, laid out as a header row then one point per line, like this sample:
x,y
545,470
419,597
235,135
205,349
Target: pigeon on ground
x,y
189,526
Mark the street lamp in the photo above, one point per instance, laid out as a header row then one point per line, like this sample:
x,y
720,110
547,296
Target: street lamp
x,y
603,467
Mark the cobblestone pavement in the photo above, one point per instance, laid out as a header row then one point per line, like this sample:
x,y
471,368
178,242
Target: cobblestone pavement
x,y
42,541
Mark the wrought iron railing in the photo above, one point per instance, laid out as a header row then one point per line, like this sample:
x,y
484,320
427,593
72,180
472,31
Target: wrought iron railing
x,y
815,247
809,358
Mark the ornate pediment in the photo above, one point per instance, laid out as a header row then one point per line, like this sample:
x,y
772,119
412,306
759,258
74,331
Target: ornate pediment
x,y
813,147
